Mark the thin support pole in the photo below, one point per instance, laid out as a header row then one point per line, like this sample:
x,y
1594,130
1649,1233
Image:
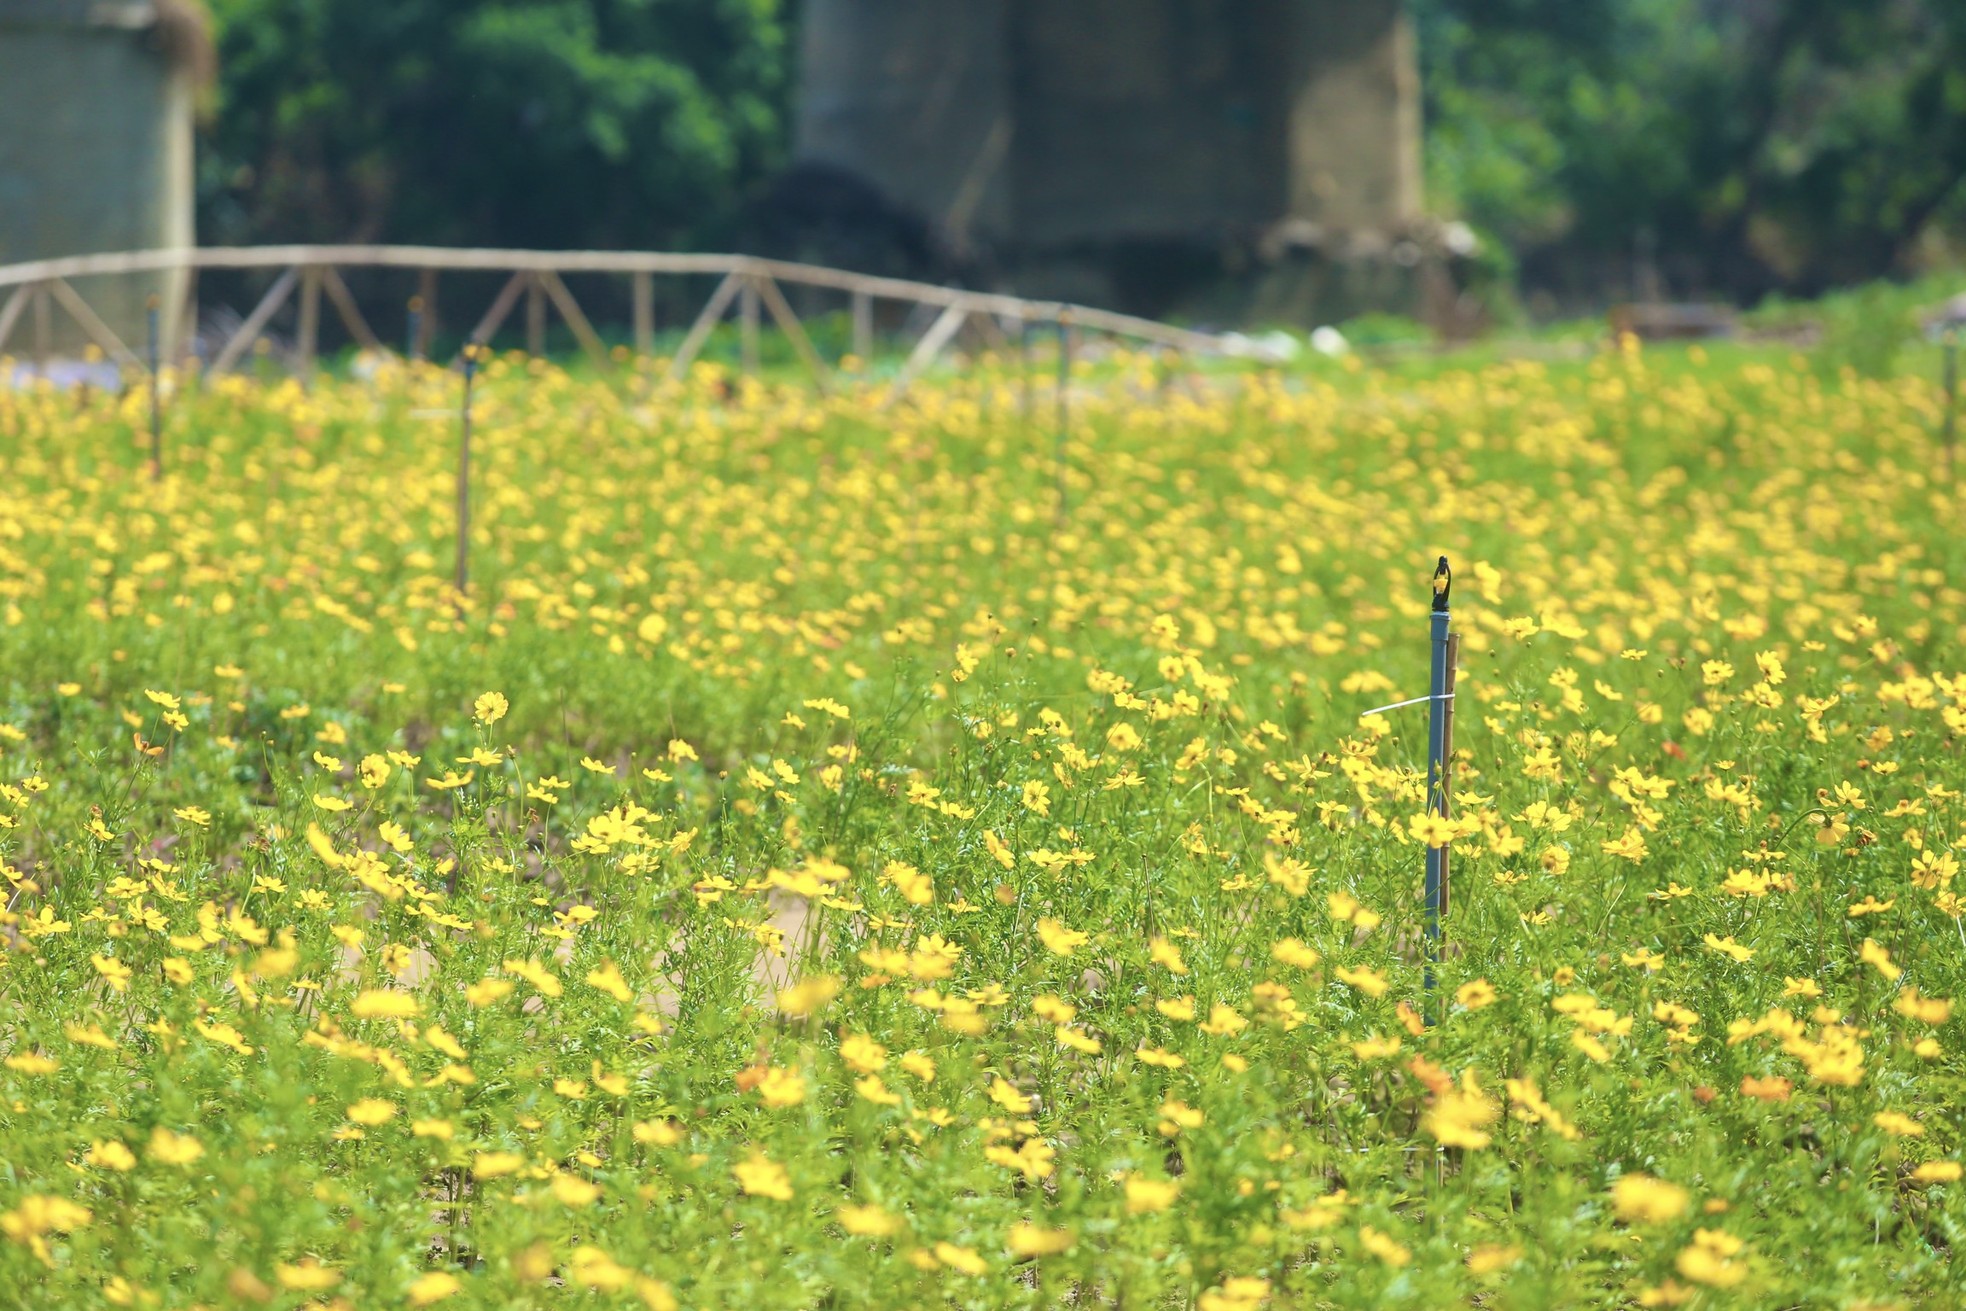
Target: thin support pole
x,y
413,332
463,579
1439,734
155,349
641,289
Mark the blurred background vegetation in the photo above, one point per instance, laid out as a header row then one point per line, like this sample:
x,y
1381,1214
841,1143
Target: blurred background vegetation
x,y
1603,148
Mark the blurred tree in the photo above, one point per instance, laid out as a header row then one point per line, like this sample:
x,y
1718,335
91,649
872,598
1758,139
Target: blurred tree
x,y
553,123
1753,144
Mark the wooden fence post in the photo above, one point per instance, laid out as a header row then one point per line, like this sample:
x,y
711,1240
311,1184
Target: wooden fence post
x,y
747,323
535,316
308,340
641,287
863,326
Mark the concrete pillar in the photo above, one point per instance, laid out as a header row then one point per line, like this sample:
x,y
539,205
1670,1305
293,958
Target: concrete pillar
x,y
1353,122
913,96
95,150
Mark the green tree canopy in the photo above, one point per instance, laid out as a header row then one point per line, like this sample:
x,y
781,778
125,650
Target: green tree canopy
x,y
527,122
1761,143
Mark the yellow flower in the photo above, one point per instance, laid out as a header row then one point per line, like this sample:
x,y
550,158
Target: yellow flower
x,y
1145,1196
1897,1124
1167,955
491,1165
1641,1199
306,1276
114,972
1459,1116
1729,948
170,1148
1294,953
1709,1259
434,1286
781,1088
385,1004
572,1190
490,708
372,1111
1058,939
37,1215
867,1221
1475,994
544,980
607,978
1879,959
110,1155
1490,1257
760,1176
809,995
1383,1246
1028,1240
1368,981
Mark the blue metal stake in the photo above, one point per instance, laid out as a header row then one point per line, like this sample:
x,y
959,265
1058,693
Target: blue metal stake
x,y
1439,712
415,351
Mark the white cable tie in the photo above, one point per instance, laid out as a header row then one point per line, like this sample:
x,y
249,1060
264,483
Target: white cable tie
x,y
1410,701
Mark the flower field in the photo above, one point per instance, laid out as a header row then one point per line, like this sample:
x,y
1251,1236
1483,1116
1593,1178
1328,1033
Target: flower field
x,y
833,855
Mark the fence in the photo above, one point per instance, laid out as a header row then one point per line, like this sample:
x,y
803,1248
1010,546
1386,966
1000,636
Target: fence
x,y
749,285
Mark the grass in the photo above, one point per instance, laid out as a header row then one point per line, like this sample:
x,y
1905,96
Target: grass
x,y
813,866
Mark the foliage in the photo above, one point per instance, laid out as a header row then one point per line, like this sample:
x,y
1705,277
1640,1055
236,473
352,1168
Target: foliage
x,y
814,866
1797,144
534,123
